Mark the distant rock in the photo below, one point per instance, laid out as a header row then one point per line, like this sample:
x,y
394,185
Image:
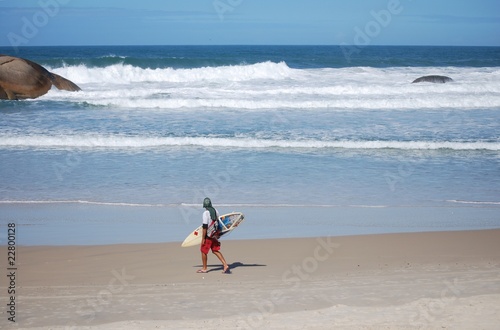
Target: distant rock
x,y
433,79
23,79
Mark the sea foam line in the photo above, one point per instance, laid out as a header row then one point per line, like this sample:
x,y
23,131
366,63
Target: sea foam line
x,y
131,142
193,205
84,202
472,202
190,205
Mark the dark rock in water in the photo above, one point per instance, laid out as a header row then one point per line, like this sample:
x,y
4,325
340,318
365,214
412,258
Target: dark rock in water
x,y
23,79
433,79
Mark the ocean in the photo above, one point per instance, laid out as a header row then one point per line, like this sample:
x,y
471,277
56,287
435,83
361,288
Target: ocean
x,y
305,139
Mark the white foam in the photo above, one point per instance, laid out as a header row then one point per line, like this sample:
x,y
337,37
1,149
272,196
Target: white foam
x,y
472,202
190,205
7,202
275,86
130,142
125,73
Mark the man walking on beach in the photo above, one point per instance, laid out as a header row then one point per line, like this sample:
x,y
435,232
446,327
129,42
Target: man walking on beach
x,y
208,243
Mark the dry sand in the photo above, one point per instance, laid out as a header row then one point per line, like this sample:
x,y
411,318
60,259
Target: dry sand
x,y
432,280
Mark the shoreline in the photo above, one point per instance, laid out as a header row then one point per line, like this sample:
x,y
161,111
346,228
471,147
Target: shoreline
x,y
426,280
86,224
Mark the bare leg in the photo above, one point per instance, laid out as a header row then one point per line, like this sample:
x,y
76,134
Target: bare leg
x,y
204,259
221,258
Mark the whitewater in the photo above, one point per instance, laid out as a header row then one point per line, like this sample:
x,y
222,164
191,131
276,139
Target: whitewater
x,y
273,86
262,129
131,143
279,93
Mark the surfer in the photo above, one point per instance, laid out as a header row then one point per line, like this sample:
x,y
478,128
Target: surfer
x,y
210,214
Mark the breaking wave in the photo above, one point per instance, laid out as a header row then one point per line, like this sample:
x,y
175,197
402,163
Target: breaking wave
x,y
130,142
127,73
274,85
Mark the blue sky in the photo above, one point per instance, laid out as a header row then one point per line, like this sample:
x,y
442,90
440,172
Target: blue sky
x,y
291,22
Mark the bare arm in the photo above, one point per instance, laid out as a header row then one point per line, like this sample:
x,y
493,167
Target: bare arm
x,y
204,233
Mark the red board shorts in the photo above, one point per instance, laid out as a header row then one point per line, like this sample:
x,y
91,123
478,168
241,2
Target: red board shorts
x,y
210,243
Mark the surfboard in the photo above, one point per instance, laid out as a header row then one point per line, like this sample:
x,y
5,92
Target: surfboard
x,y
226,224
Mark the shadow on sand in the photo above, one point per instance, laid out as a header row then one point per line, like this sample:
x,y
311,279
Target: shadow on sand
x,y
232,266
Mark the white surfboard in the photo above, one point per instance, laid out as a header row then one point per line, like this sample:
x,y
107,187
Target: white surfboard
x,y
227,223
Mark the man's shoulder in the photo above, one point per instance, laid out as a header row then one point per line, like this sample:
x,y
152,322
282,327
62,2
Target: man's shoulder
x,y
206,217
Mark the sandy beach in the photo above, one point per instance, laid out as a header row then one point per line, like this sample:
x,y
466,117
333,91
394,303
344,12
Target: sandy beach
x,y
432,280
